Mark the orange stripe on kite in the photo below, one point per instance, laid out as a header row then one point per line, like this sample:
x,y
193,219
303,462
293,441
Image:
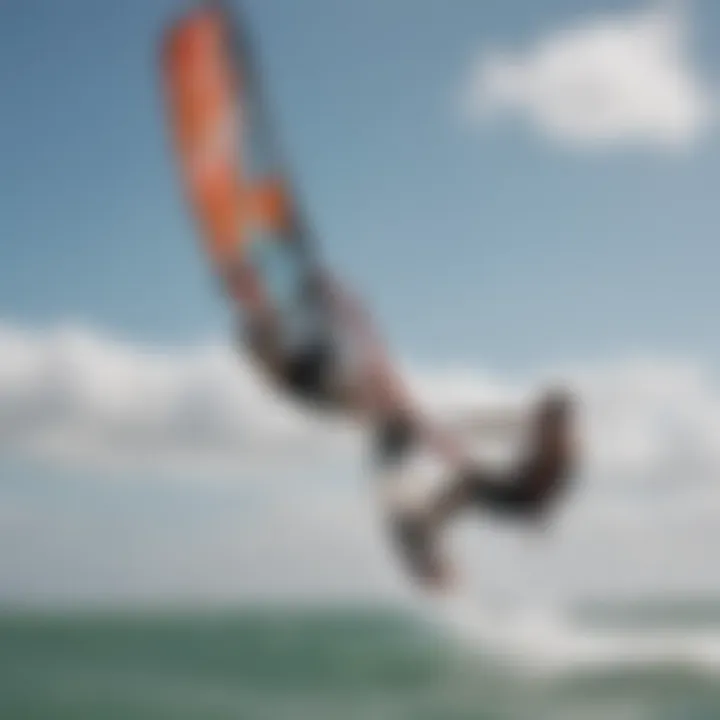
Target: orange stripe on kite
x,y
204,119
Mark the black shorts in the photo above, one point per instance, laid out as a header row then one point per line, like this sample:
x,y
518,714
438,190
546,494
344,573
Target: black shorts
x,y
312,373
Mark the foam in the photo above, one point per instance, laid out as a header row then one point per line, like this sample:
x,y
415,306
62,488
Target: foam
x,y
553,642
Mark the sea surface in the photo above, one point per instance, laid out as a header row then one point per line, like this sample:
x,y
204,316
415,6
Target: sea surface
x,y
281,663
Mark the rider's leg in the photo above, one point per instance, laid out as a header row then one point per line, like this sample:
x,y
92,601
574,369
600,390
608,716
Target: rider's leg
x,y
526,489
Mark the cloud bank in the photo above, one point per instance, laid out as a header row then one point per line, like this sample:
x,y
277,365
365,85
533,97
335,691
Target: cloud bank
x,y
292,513
614,80
73,397
69,395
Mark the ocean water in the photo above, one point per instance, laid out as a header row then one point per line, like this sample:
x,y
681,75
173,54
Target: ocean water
x,y
351,664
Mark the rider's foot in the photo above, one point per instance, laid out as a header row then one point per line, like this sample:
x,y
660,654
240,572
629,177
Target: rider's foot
x,y
417,539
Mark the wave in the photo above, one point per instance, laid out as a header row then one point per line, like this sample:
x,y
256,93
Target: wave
x,y
554,642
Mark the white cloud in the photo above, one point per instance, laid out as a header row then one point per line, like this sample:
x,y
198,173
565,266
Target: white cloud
x,y
71,396
609,80
645,509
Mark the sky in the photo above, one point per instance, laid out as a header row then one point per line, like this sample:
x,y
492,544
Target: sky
x,y
513,187
469,238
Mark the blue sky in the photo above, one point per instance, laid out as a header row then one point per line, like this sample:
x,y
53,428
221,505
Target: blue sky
x,y
456,180
481,243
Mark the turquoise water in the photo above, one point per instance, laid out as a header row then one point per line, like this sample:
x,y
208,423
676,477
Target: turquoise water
x,y
296,664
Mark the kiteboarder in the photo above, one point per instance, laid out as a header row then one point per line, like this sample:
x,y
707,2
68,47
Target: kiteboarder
x,y
303,328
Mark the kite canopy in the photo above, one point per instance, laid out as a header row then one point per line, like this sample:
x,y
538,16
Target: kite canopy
x,y
233,178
